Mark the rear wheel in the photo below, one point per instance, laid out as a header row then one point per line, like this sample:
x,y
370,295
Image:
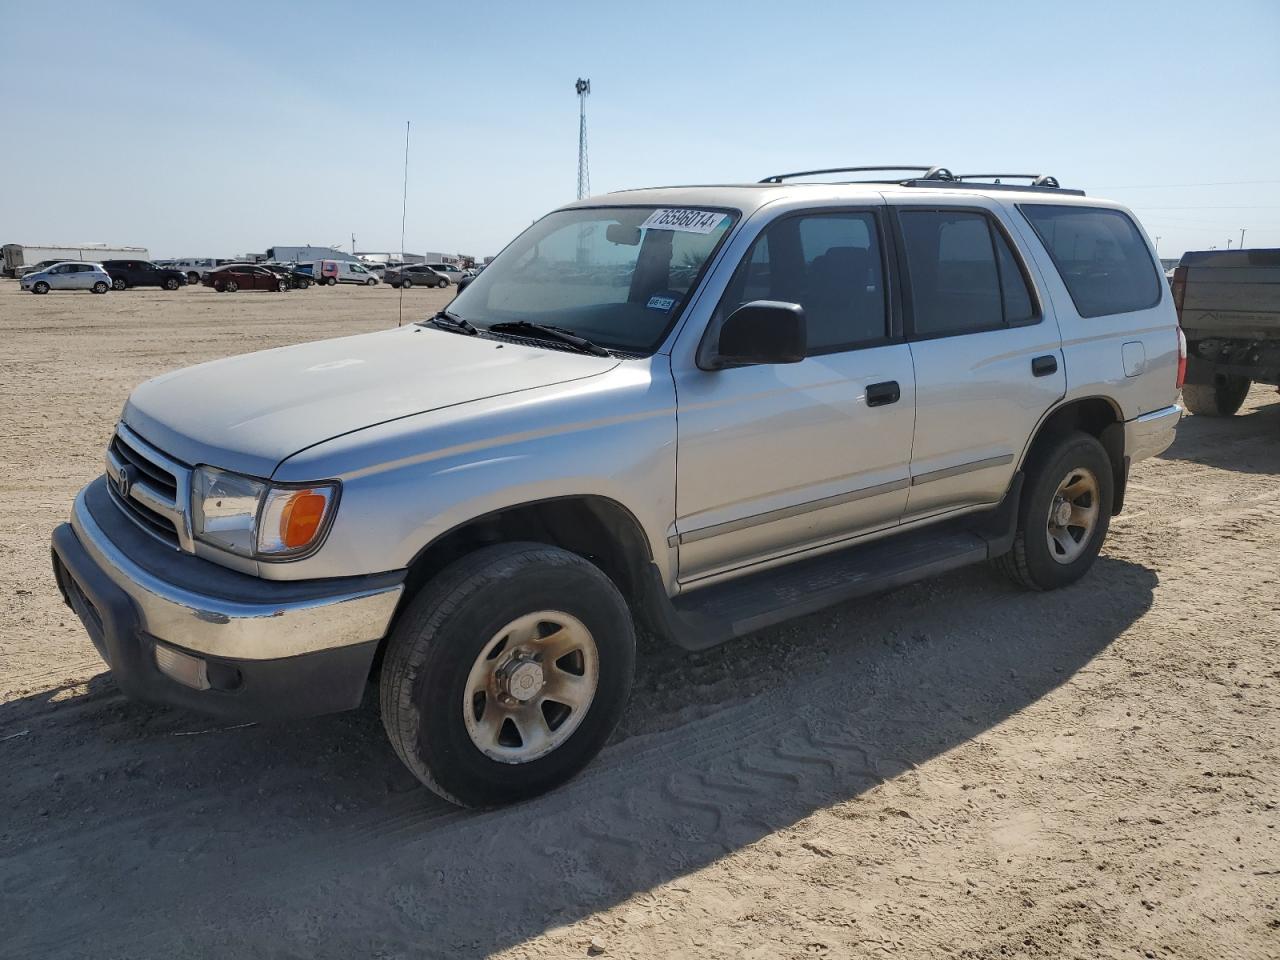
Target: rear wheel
x,y
101,287
1063,516
118,283
1222,398
40,287
507,673
444,282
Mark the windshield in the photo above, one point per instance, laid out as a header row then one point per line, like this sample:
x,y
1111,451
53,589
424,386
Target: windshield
x,y
617,276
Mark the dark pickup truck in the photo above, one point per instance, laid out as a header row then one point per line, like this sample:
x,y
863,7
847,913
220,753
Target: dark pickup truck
x,y
1229,306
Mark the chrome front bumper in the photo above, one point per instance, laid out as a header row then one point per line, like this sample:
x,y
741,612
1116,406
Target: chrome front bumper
x,y
201,606
1152,433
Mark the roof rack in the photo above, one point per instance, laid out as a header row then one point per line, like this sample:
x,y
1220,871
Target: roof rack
x,y
928,173
932,176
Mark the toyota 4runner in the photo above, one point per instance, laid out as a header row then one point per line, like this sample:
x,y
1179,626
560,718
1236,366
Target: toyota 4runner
x,y
702,410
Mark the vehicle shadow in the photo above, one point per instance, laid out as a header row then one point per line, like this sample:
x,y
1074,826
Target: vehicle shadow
x,y
146,832
1249,442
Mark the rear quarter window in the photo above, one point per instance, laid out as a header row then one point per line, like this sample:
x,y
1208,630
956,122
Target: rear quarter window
x,y
1100,255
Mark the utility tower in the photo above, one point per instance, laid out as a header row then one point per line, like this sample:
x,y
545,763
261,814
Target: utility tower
x,y
584,174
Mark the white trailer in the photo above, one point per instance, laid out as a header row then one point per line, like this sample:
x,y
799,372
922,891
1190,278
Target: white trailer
x,y
18,258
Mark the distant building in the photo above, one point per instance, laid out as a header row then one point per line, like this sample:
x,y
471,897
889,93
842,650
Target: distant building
x,y
306,253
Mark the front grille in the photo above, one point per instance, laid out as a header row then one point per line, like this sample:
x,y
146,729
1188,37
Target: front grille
x,y
156,494
164,481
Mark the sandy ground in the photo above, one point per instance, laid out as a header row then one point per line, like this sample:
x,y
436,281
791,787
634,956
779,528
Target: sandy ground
x,y
956,769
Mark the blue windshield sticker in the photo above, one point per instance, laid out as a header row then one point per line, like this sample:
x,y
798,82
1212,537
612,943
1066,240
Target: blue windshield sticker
x,y
661,303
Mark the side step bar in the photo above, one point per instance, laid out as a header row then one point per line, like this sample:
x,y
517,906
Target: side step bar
x,y
709,616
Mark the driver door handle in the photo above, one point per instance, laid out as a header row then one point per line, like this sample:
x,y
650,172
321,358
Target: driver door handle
x,y
882,394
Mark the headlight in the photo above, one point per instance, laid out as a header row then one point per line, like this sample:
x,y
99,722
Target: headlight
x,y
255,518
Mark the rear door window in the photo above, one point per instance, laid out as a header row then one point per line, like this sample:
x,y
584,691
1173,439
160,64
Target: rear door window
x,y
1100,255
964,277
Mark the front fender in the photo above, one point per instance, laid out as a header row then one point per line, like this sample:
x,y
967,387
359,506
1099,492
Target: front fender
x,y
408,482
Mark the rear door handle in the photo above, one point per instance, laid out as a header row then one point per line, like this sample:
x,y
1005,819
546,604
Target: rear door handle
x,y
882,394
1044,366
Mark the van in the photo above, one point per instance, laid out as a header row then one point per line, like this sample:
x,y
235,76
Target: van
x,y
331,272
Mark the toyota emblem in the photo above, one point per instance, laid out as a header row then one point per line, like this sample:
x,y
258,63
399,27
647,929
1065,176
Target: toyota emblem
x,y
124,481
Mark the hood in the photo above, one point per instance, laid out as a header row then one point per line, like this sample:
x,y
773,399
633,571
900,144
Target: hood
x,y
249,413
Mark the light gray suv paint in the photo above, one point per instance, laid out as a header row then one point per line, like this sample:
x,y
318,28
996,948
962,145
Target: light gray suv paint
x,y
566,489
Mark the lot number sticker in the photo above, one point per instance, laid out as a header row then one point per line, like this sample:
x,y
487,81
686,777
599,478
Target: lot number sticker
x,y
686,221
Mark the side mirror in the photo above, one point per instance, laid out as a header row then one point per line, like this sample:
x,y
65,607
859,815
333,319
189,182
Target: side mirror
x,y
762,331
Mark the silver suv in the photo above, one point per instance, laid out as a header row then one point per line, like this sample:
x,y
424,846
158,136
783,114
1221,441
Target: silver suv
x,y
703,410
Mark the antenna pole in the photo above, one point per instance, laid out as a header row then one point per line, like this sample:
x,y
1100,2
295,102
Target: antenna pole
x,y
1242,238
404,207
583,87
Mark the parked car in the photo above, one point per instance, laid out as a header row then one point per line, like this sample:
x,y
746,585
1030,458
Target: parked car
x,y
68,275
447,270
1229,307
244,276
298,279
416,275
735,405
331,272
42,265
196,267
143,273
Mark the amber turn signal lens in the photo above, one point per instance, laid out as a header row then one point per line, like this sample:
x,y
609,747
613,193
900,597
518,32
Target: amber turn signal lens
x,y
300,519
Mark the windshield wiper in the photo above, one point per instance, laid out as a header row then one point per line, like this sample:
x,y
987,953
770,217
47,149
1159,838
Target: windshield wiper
x,y
451,321
559,334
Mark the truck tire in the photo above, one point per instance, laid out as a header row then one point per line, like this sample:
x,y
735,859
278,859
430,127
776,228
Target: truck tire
x,y
1063,516
507,673
1222,398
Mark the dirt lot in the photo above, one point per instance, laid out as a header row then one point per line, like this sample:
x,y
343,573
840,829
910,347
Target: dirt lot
x,y
954,769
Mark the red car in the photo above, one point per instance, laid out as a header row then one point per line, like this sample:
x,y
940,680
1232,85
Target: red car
x,y
244,276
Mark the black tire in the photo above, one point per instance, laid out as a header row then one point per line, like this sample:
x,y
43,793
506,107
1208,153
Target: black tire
x,y
406,283
192,277
1031,562
371,282
1222,398
282,285
171,283
303,284
444,282
231,286
101,287
445,630
332,281
219,286
40,287
117,283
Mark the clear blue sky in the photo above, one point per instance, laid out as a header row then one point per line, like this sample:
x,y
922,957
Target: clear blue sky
x,y
219,128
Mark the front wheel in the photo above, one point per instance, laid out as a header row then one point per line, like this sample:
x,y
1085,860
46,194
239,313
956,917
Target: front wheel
x,y
171,283
507,673
231,286
1222,398
1064,514
407,284
118,284
40,287
101,287
332,281
282,286
371,282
